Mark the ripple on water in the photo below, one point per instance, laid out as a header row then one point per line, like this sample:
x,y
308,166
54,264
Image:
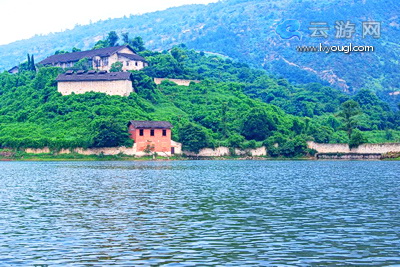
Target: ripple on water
x,y
200,212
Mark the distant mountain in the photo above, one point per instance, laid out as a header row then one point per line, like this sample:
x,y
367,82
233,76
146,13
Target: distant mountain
x,y
246,30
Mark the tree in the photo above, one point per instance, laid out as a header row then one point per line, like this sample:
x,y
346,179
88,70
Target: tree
x,y
193,137
125,37
357,138
108,132
116,67
223,124
58,52
83,64
112,38
149,149
28,65
298,126
144,86
258,124
349,111
323,134
100,44
294,147
178,53
136,43
235,140
32,65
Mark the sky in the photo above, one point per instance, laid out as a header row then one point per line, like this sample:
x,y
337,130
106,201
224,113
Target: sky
x,y
22,19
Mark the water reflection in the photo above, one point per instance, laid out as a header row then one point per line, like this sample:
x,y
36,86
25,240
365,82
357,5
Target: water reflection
x,y
200,212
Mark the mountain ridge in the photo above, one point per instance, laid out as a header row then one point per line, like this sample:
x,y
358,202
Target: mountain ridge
x,y
246,31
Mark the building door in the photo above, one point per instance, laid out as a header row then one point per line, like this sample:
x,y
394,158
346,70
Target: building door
x,y
172,150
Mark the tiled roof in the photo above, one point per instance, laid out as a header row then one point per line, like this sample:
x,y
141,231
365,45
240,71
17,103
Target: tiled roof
x,y
151,124
71,76
132,57
76,56
15,68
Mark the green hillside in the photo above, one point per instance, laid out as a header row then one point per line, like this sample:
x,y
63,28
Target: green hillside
x,y
234,105
246,30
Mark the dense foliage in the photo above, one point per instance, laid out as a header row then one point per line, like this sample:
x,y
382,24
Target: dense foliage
x,y
246,30
234,105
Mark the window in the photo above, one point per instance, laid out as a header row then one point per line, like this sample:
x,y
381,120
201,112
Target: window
x,y
105,61
164,132
97,62
127,63
141,132
151,132
136,63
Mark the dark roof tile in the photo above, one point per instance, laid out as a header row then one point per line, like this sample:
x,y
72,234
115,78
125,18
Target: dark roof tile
x,y
132,57
15,68
151,124
76,56
94,76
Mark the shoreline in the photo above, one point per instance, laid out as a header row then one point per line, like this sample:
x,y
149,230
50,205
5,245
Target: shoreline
x,y
49,157
78,157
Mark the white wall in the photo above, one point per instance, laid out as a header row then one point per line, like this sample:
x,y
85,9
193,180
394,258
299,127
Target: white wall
x,y
362,149
224,151
122,88
130,151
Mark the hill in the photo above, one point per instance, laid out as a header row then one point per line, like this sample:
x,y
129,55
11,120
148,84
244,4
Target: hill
x,y
246,30
234,105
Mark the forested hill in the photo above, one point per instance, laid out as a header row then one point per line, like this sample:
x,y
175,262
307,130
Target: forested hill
x,y
246,30
234,105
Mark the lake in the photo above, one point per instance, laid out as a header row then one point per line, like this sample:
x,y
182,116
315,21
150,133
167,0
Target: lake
x,y
180,213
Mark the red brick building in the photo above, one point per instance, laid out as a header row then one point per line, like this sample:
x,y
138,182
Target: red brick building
x,y
154,136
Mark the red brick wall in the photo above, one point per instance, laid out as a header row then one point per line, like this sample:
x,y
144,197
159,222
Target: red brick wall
x,y
161,143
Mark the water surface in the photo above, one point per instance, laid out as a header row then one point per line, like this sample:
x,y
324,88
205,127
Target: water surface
x,y
183,213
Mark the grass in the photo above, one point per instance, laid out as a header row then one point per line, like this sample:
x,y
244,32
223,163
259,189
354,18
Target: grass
x,y
395,159
7,155
10,155
22,156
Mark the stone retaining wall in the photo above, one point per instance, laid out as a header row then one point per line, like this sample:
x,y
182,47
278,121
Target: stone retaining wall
x,y
225,151
131,151
109,151
350,156
365,149
362,149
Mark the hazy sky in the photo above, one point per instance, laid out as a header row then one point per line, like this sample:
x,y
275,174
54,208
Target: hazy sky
x,y
22,19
